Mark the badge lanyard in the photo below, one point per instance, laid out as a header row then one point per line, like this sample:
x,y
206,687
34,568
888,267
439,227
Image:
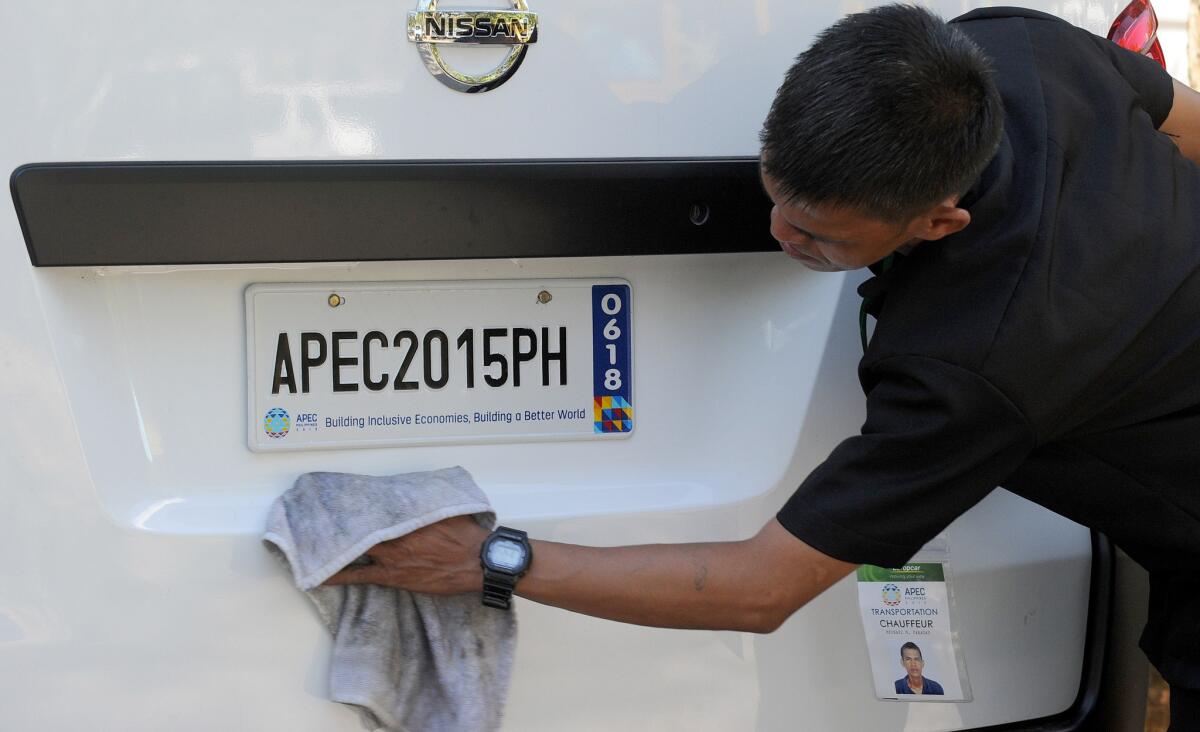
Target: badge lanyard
x,y
884,265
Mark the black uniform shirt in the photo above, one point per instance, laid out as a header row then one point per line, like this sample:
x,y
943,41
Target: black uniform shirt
x,y
1052,346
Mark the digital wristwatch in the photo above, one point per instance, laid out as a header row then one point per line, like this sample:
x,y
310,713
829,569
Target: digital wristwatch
x,y
505,557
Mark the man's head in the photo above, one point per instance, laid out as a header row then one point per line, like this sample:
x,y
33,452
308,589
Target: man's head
x,y
910,658
878,129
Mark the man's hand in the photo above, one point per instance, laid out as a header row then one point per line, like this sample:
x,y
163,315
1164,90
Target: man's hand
x,y
440,559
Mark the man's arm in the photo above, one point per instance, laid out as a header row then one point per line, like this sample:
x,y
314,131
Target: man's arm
x,y
1183,123
938,438
752,585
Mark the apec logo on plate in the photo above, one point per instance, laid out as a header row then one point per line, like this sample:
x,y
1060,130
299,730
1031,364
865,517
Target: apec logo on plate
x,y
277,423
306,421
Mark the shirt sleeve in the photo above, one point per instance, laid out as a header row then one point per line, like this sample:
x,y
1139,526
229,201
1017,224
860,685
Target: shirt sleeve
x,y
1150,81
938,438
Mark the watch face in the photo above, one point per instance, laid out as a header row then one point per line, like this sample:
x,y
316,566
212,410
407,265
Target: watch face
x,y
505,554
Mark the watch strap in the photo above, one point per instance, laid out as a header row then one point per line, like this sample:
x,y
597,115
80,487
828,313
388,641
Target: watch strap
x,y
498,589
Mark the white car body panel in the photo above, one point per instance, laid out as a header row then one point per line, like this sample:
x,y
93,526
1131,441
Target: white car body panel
x,y
137,595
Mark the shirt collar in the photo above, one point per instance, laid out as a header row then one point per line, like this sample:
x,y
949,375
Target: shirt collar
x,y
980,200
873,290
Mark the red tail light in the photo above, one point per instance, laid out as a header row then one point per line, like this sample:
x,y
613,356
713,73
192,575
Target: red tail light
x,y
1156,53
1136,29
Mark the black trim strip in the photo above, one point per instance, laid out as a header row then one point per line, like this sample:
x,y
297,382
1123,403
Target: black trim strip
x,y
93,214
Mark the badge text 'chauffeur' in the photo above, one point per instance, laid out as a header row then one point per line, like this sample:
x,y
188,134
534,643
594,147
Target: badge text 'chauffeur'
x,y
429,27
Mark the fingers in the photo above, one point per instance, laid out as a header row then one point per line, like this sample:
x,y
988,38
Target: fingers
x,y
440,558
370,574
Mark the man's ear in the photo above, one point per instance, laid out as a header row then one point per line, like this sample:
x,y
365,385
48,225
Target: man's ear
x,y
942,220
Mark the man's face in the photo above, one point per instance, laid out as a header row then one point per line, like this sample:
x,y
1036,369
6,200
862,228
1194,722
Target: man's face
x,y
829,238
912,661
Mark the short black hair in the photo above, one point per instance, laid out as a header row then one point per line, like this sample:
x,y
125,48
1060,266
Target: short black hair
x,y
914,647
888,112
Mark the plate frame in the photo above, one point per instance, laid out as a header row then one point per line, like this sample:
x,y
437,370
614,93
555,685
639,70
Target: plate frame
x,y
253,419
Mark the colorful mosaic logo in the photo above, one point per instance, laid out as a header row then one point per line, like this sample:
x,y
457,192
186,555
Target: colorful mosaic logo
x,y
891,595
613,414
277,423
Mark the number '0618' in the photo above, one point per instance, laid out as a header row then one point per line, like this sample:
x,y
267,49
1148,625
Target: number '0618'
x,y
610,304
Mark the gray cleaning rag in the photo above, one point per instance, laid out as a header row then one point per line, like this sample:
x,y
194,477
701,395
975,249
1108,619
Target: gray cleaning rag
x,y
407,661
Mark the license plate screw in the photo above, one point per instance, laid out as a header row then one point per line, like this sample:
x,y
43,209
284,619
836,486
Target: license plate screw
x,y
335,300
544,297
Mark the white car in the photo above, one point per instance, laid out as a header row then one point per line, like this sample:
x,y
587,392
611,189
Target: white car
x,y
193,182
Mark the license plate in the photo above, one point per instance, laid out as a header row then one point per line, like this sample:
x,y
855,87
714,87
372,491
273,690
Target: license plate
x,y
345,365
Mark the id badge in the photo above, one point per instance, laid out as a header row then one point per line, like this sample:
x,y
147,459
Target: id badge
x,y
908,617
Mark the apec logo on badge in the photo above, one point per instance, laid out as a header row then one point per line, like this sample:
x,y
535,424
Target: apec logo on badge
x,y
891,595
306,421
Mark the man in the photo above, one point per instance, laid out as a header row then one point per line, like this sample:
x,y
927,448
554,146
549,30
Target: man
x,y
914,666
1037,249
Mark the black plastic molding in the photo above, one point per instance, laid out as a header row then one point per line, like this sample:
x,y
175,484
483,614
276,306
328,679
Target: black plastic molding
x,y
96,214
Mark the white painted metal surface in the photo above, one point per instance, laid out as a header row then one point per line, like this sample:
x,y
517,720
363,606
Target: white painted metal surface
x,y
136,595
